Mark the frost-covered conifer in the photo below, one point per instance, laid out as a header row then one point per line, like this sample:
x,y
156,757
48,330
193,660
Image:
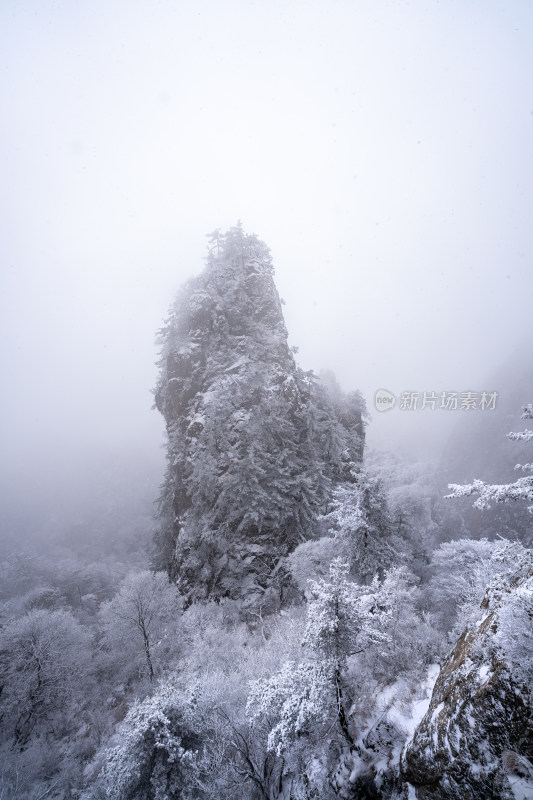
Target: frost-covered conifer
x,y
158,750
306,699
361,524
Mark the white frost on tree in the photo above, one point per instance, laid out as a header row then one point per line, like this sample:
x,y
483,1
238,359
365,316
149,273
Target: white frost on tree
x,y
44,656
157,753
514,636
139,615
522,489
298,696
464,571
361,525
343,619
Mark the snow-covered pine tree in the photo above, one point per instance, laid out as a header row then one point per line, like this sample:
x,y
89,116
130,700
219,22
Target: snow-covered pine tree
x,y
307,704
254,443
360,522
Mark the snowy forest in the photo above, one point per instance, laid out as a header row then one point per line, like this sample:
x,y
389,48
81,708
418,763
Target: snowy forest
x,y
302,617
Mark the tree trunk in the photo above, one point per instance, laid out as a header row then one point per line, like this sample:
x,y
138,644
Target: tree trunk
x,y
341,712
148,654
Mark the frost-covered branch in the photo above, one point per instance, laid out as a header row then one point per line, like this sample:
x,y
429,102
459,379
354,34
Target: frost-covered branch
x,y
524,436
488,493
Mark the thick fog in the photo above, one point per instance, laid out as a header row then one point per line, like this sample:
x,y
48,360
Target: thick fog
x,y
383,151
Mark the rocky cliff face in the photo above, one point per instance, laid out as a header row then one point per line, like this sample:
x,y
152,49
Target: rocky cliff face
x,y
476,739
467,734
254,443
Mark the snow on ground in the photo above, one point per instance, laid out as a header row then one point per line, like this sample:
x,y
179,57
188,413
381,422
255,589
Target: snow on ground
x,y
420,706
522,788
396,708
405,715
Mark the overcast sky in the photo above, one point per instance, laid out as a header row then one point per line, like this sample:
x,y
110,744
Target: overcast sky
x,y
383,150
